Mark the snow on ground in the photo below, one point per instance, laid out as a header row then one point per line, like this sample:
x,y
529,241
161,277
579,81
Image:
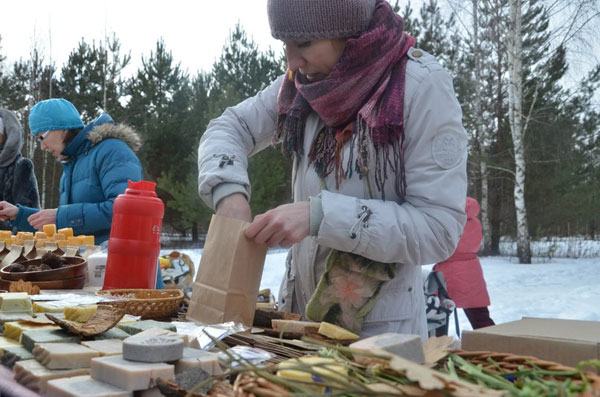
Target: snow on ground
x,y
552,287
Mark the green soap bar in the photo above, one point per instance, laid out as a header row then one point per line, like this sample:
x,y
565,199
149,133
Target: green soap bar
x,y
12,354
30,338
139,326
113,333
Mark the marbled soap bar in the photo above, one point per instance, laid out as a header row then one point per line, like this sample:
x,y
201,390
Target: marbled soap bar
x,y
64,355
13,330
106,347
84,386
12,354
113,333
35,376
139,326
5,342
130,375
30,338
15,302
196,358
81,314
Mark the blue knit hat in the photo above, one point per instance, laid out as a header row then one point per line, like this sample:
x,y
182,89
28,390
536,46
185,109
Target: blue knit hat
x,y
54,114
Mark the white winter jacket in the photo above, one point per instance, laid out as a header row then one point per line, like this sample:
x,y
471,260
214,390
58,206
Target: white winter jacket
x,y
423,228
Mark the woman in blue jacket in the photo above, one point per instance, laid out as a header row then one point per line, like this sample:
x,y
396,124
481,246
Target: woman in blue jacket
x,y
98,159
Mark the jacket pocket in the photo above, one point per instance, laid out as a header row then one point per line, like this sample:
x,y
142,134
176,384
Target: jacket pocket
x,y
393,305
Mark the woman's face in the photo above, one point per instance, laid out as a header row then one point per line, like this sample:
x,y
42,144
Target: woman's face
x,y
52,142
313,58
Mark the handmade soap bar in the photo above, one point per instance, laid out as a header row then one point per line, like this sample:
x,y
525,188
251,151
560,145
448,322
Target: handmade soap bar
x,y
130,375
403,345
35,376
11,302
64,355
14,330
196,358
30,338
50,230
113,333
47,307
5,342
293,325
163,332
84,386
106,347
139,326
67,232
80,314
152,349
335,332
12,354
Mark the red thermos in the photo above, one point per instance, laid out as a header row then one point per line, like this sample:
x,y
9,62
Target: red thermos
x,y
134,243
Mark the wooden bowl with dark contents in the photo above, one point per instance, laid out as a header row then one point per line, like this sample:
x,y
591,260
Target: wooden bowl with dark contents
x,y
70,283
49,268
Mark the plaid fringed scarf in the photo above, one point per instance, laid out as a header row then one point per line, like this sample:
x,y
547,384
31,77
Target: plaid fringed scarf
x,y
362,99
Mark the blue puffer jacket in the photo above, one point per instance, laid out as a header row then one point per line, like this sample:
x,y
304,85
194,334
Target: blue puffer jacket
x,y
101,160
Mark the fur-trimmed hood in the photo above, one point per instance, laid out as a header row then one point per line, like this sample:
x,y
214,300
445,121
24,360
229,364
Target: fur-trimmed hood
x,y
14,137
118,131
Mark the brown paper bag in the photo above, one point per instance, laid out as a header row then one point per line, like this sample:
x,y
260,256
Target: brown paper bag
x,y
229,275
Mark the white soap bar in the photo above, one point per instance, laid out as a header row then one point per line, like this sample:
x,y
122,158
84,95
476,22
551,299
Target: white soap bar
x,y
15,302
196,358
35,376
64,355
84,386
153,349
130,375
163,332
403,345
106,347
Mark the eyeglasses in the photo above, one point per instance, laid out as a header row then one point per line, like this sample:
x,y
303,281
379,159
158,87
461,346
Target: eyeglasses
x,y
43,136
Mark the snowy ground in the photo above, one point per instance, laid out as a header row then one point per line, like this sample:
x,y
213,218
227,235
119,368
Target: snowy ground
x,y
552,287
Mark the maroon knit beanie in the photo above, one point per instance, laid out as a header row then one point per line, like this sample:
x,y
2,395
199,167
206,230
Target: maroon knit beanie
x,y
319,19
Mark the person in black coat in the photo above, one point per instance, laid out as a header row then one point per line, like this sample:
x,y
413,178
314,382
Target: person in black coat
x,y
17,177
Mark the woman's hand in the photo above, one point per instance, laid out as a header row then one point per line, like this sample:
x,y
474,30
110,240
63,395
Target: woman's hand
x,y
8,211
235,206
281,226
43,217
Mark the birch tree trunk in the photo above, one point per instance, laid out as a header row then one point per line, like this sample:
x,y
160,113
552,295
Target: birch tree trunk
x,y
480,132
515,113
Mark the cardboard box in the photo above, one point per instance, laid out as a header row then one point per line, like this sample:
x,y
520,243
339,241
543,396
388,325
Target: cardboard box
x,y
564,341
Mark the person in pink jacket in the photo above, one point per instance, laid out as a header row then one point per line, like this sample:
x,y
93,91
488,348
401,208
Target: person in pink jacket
x,y
463,274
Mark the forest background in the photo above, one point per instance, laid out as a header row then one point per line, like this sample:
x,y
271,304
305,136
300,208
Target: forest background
x,y
534,150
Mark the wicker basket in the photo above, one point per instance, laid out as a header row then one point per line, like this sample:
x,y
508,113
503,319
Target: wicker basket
x,y
503,363
148,303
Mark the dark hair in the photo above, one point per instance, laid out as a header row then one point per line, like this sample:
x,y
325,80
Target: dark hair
x,y
71,134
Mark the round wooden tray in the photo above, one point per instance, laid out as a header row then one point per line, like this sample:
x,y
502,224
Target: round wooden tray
x,y
70,283
77,267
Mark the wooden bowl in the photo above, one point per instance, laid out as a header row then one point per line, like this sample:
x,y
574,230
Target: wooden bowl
x,y
70,283
76,267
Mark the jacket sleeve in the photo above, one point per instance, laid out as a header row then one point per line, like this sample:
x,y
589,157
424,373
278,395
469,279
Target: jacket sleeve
x,y
25,187
426,227
20,222
240,132
116,164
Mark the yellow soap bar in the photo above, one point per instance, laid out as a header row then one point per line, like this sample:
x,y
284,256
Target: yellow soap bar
x,y
62,243
80,314
15,329
59,237
87,240
5,342
41,243
25,236
50,230
67,232
15,302
73,240
334,332
46,307
40,236
5,234
304,368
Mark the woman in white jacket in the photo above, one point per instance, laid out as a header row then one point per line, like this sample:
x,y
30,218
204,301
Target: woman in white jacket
x,y
379,153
